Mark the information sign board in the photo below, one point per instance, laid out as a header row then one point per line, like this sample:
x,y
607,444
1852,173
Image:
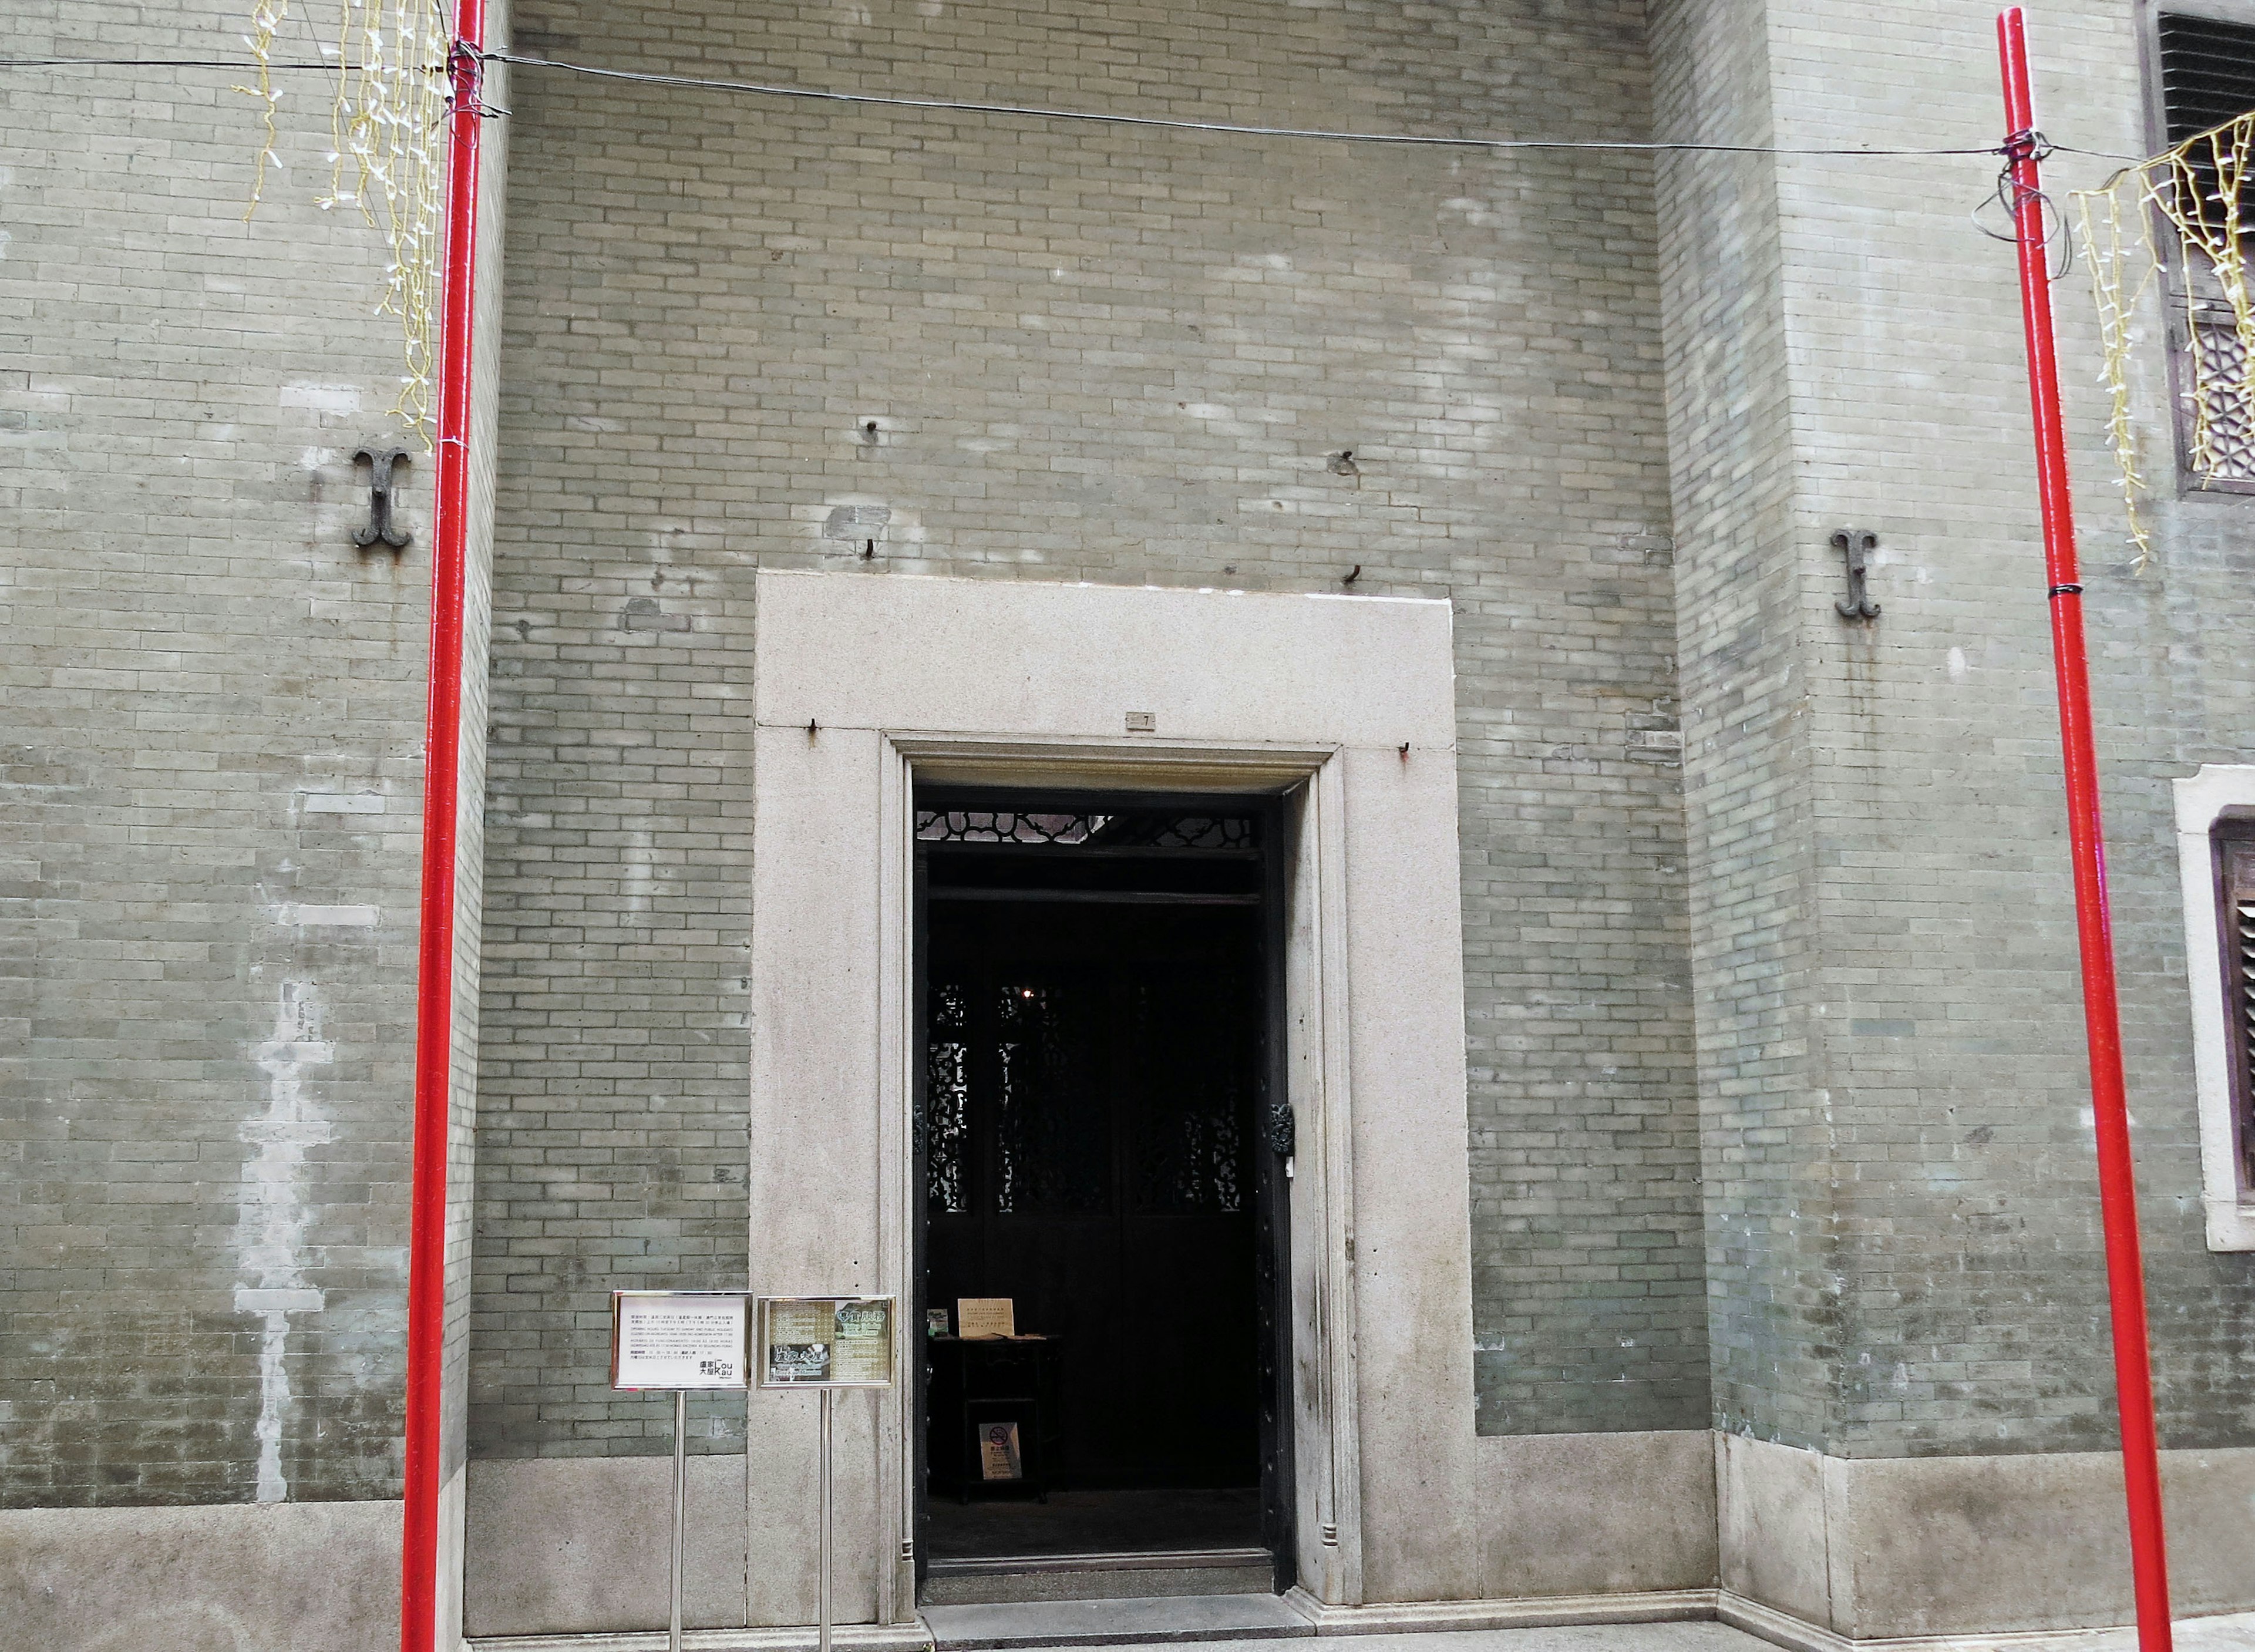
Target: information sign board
x,y
679,1340
825,1342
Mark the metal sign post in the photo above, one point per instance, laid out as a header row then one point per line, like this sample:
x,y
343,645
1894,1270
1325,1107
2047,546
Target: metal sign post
x,y
826,1343
681,1341
680,1509
829,1502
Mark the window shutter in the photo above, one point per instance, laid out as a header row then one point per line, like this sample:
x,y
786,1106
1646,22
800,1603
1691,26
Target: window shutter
x,y
2235,867
2207,73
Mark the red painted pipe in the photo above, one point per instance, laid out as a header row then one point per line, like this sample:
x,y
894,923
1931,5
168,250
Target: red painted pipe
x,y
2102,1019
434,960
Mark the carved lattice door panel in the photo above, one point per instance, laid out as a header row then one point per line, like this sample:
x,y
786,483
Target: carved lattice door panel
x,y
1089,1152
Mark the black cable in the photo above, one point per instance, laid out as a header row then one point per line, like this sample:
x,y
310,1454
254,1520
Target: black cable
x,y
819,94
1036,112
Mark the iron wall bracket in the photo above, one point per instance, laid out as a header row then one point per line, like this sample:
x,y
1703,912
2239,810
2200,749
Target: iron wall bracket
x,y
1856,546
381,528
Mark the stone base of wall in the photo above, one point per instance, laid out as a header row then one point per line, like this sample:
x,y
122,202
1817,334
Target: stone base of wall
x,y
578,1545
227,1578
1813,1552
2229,1632
1596,1514
1875,1548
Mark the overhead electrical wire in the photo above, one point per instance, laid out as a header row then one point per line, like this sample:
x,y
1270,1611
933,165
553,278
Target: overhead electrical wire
x,y
1097,117
1036,112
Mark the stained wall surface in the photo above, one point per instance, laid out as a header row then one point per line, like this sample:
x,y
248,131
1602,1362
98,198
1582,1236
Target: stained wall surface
x,y
212,740
747,333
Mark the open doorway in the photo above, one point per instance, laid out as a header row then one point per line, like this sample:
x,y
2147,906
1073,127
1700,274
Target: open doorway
x,y
1103,1168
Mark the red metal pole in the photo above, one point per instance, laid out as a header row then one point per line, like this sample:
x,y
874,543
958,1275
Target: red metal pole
x,y
2102,1020
434,963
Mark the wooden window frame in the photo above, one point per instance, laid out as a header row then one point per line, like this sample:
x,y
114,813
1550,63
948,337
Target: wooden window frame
x,y
2231,849
2215,808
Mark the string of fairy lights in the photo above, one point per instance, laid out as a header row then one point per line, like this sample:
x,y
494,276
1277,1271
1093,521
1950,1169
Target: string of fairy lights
x,y
2178,222
387,147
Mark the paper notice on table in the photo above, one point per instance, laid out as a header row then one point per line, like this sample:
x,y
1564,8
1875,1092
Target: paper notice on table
x,y
863,1350
981,1316
678,1340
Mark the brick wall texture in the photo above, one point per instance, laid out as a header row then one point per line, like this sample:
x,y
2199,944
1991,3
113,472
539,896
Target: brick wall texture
x,y
1746,743
746,333
1778,1119
211,734
1901,1201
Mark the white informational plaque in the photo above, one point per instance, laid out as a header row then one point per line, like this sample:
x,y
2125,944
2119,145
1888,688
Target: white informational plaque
x,y
679,1340
825,1342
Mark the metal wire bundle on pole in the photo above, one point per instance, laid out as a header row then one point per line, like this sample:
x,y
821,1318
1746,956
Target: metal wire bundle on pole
x,y
434,962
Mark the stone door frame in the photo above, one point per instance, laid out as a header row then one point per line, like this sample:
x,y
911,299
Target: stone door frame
x,y
865,685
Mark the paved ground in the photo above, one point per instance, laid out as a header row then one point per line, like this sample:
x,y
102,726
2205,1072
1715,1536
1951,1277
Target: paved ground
x,y
2235,1633
2231,1634
1591,1637
1585,1637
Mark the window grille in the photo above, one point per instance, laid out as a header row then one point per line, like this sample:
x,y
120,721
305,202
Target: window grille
x,y
2207,77
1132,829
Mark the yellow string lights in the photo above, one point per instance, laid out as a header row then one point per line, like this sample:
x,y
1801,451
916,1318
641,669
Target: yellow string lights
x,y
388,131
388,123
2198,190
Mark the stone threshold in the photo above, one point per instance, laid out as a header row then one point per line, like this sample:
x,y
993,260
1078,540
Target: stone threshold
x,y
1149,1620
1134,1560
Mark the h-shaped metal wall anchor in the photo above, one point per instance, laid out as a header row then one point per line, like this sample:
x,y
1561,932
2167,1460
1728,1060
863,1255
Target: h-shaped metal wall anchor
x,y
380,525
1857,546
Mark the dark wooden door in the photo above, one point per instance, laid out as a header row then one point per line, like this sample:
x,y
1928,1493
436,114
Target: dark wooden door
x,y
1090,1146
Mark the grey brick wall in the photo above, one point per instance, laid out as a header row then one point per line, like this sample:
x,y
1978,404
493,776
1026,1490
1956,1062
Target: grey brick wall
x,y
742,334
1969,1190
470,809
761,332
1769,1229
212,723
1902,1194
